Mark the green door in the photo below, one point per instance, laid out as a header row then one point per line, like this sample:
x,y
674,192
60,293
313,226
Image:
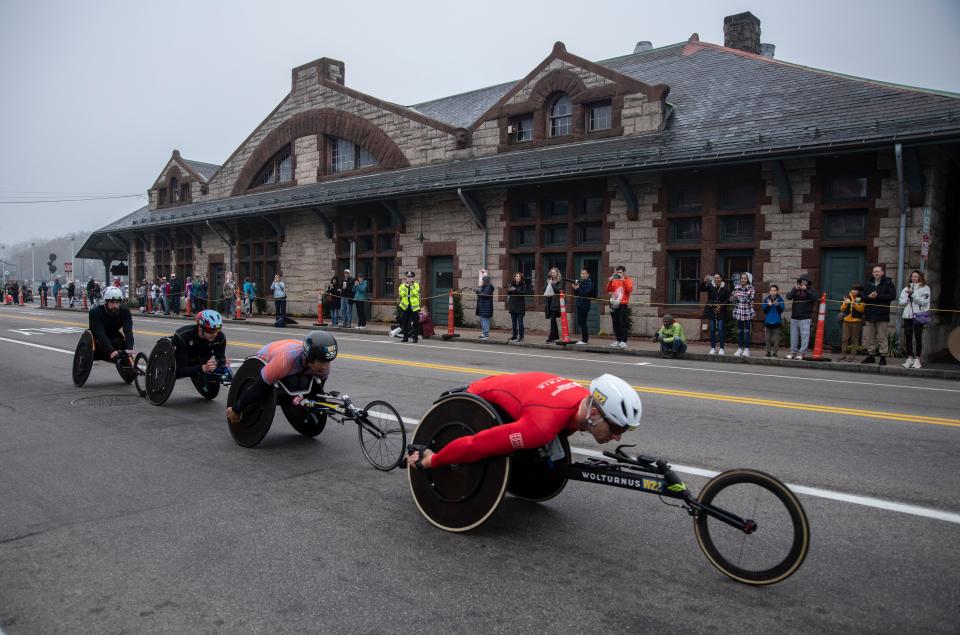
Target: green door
x,y
841,269
439,284
590,262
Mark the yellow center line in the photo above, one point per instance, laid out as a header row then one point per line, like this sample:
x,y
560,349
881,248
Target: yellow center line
x,y
669,392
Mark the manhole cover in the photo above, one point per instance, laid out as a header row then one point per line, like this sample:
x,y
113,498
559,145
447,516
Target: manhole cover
x,y
106,401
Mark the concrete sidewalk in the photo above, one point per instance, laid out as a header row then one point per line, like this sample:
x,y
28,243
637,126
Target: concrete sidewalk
x,y
639,347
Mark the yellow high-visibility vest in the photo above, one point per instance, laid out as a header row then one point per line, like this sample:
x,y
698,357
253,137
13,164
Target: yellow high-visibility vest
x,y
410,296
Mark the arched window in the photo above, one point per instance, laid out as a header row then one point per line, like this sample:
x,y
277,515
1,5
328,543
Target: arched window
x,y
174,190
279,169
560,116
346,155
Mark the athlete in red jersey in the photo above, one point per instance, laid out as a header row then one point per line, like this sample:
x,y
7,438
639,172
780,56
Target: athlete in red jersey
x,y
542,406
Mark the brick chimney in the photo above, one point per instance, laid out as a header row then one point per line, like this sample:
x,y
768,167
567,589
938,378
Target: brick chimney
x,y
742,31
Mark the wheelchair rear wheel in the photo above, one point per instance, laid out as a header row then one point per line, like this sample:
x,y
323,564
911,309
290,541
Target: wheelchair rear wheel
x,y
257,418
83,359
161,372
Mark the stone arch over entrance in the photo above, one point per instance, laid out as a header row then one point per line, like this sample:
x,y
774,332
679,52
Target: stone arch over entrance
x,y
328,122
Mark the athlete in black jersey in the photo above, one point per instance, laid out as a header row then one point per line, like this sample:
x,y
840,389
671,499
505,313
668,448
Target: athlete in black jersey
x,y
112,326
201,348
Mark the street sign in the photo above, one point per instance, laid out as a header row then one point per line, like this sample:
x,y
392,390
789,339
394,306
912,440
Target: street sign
x,y
68,267
924,246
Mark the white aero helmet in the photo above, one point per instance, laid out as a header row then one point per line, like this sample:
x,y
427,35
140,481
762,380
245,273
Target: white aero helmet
x,y
619,402
113,293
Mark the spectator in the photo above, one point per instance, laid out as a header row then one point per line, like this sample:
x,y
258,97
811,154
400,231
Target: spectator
x,y
803,295
142,295
176,292
346,300
583,290
851,323
279,295
878,292
672,340
56,290
517,305
155,293
427,328
773,306
715,310
360,300
619,286
743,312
916,314
43,289
484,306
165,295
249,295
332,294
97,291
409,305
552,309
90,294
71,293
203,294
229,293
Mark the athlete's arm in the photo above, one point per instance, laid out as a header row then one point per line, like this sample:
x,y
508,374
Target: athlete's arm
x,y
127,327
524,433
220,351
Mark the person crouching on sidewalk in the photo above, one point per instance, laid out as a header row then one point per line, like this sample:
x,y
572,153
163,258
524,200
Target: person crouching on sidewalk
x,y
671,338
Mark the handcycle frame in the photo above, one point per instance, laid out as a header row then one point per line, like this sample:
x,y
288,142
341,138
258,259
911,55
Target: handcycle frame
x,y
662,482
164,351
84,357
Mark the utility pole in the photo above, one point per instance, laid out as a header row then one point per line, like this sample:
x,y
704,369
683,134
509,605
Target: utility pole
x,y
33,257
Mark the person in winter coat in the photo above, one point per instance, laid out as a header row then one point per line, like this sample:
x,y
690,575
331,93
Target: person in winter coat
x,y
583,289
249,295
851,323
915,299
56,290
803,296
773,306
360,287
176,293
485,306
229,293
619,286
279,288
517,305
551,294
42,291
346,300
743,312
672,340
715,310
878,292
332,295
71,293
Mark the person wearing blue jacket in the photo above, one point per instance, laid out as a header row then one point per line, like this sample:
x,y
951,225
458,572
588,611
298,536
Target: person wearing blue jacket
x,y
773,306
360,300
485,306
583,289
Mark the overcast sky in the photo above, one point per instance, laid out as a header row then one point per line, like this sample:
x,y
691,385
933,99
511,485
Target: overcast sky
x,y
94,96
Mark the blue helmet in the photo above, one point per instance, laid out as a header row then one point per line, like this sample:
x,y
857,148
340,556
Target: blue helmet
x,y
209,320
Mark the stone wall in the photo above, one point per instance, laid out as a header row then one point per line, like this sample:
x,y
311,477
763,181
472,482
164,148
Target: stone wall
x,y
307,151
640,114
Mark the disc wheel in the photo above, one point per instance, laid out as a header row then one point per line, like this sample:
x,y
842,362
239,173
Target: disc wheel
x,y
779,538
161,372
140,379
83,359
304,421
535,479
207,385
127,371
257,418
458,498
383,438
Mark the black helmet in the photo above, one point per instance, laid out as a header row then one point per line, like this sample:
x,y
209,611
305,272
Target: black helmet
x,y
319,346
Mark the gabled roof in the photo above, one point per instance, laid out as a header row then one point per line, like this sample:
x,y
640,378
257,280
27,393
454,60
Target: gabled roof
x,y
202,171
205,170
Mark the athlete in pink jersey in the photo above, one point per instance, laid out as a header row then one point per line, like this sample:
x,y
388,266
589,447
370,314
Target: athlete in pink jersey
x,y
542,406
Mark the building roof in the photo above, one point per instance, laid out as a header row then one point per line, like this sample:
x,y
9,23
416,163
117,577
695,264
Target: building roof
x,y
206,170
727,105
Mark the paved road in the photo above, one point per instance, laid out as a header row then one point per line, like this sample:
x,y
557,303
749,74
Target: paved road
x,y
119,516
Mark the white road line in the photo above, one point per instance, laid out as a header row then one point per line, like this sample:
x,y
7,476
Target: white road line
x,y
46,348
866,501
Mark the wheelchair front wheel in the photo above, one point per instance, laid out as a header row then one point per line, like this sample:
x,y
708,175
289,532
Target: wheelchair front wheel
x,y
140,379
383,439
779,536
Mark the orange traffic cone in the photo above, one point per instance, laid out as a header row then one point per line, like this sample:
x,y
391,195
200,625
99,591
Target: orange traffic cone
x,y
450,334
237,310
564,329
319,321
821,320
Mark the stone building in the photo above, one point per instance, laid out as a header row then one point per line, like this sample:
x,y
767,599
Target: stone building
x,y
676,162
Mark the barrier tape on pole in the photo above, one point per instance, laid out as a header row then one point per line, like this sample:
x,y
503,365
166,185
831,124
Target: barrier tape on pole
x,y
188,305
319,321
564,328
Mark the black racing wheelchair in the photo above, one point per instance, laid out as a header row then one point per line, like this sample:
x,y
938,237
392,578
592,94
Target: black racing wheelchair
x,y
130,367
161,375
749,525
382,434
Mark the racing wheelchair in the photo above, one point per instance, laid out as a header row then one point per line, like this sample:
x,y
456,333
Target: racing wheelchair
x,y
132,368
749,525
161,374
381,431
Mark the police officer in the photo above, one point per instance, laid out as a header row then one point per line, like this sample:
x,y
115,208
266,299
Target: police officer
x,y
410,307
